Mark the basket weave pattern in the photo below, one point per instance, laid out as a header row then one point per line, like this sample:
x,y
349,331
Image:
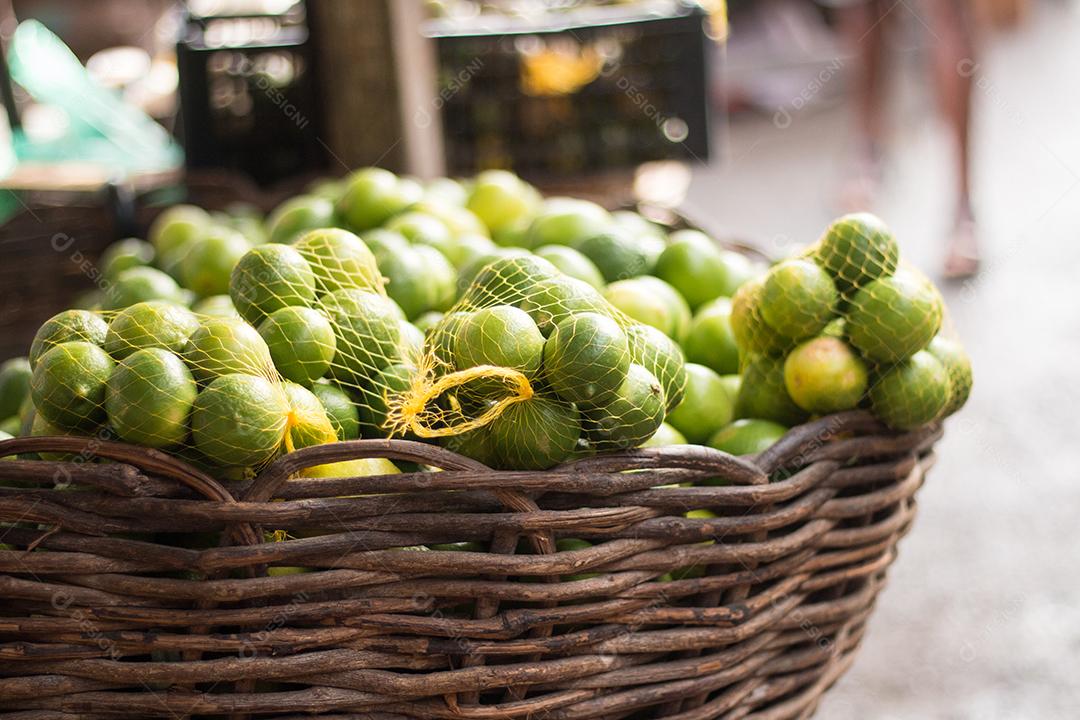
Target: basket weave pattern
x,y
96,623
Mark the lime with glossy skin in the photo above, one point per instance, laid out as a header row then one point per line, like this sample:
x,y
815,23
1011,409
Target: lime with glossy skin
x,y
469,272
140,284
367,330
855,250
586,359
752,334
422,228
571,262
503,336
651,301
665,436
460,220
501,199
15,377
67,326
339,260
798,299
124,255
660,356
763,393
957,364
68,385
309,423
535,434
408,281
552,300
441,275
911,392
329,188
224,346
619,255
465,249
149,396
695,265
566,221
412,342
339,408
706,407
208,265
297,215
155,323
373,195
710,341
475,444
446,190
216,306
352,468
892,318
510,279
270,277
825,375
178,227
637,224
301,343
427,322
747,436
631,417
374,407
239,420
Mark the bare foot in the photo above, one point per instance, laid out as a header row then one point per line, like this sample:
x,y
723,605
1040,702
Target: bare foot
x,y
962,259
859,190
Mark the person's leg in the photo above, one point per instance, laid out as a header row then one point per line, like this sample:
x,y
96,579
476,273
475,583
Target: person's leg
x,y
954,66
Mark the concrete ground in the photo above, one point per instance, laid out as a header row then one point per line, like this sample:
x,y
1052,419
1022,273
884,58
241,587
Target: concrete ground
x,y
981,618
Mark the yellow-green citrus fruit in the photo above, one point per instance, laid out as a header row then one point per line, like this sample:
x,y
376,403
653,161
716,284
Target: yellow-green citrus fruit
x,y
567,221
428,321
15,377
441,275
571,262
140,284
339,408
637,224
855,250
154,323
374,409
412,342
216,306
763,393
309,423
208,265
367,329
67,326
124,255
706,407
446,190
586,359
339,260
178,227
502,335
620,255
893,318
301,343
68,385
239,420
223,346
912,392
552,300
747,436
422,228
694,264
957,364
373,195
460,220
665,436
475,444
752,334
510,278
798,299
408,280
268,278
631,417
659,354
535,434
468,248
710,341
651,301
825,375
468,274
149,396
501,199
297,215
352,468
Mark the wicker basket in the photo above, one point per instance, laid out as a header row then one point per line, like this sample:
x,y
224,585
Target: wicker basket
x,y
109,609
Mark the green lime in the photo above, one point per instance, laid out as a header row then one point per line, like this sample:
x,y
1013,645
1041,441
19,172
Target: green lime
x,y
297,215
535,434
892,318
460,220
501,199
798,299
855,250
373,195
469,273
405,269
446,190
442,277
412,342
824,375
957,364
662,357
637,224
239,420
387,384
631,417
352,468
178,227
68,385
512,236
9,428
427,322
422,228
476,444
301,343
329,188
752,334
140,284
367,329
309,423
40,427
552,300
67,326
619,255
339,260
706,407
571,262
339,408
216,306
747,436
665,436
503,336
208,266
586,359
149,397
124,255
763,393
466,249
651,301
224,346
509,279
567,221
695,265
912,392
154,323
269,277
15,377
710,341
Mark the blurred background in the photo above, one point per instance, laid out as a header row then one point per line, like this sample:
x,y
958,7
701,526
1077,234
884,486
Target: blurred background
x,y
757,120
